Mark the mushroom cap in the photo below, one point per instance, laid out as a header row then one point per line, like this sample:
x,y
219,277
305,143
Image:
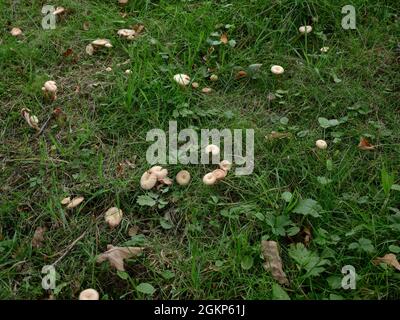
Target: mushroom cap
x,y
206,90
15,32
183,177
324,49
113,216
159,172
225,165
195,85
182,79
122,1
305,29
127,33
50,86
128,71
58,10
213,149
214,77
275,69
108,69
209,178
148,180
321,144
219,174
89,294
102,43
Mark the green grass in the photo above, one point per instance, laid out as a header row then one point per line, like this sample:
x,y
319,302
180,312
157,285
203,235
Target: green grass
x,y
214,229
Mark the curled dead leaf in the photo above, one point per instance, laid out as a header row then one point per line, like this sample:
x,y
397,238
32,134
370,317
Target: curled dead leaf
x,y
38,237
273,262
389,259
32,120
241,74
116,255
365,145
75,202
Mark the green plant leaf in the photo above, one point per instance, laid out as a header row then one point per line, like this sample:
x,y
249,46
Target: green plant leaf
x,y
247,262
145,200
145,288
308,207
278,293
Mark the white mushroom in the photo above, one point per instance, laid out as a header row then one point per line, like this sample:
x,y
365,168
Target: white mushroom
x,y
148,180
195,85
213,149
108,69
209,179
324,49
159,172
16,32
75,202
122,1
89,294
183,177
225,165
275,69
113,216
305,29
59,10
127,33
182,79
128,71
102,43
32,120
50,89
206,90
321,144
219,174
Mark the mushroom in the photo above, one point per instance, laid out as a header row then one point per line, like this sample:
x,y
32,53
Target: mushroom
x,y
225,165
98,43
50,89
75,202
206,90
128,71
182,79
321,144
113,216
66,200
89,294
148,180
108,69
59,10
16,32
214,77
305,29
122,1
32,120
183,177
195,85
209,179
324,49
127,33
219,174
213,149
159,172
275,69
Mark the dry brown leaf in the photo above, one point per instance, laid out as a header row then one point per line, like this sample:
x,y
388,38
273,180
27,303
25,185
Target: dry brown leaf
x,y
389,259
224,38
66,201
307,236
38,237
241,74
273,262
138,28
365,145
116,255
68,52
86,26
133,231
277,135
75,202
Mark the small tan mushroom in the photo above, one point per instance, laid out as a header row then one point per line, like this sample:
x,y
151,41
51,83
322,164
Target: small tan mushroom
x,y
148,180
275,69
213,149
58,11
127,33
183,177
206,90
75,202
50,89
219,174
108,69
89,294
128,71
324,49
209,179
182,79
122,2
66,200
32,120
225,165
305,29
159,172
321,144
16,32
195,85
102,43
113,216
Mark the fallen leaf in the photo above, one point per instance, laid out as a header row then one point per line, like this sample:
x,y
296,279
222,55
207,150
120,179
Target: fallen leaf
x,y
32,120
116,255
277,135
389,259
38,237
241,74
273,262
307,236
224,38
138,28
133,231
75,202
68,52
365,145
66,201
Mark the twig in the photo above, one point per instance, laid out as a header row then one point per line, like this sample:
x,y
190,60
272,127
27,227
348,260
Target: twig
x,y
68,249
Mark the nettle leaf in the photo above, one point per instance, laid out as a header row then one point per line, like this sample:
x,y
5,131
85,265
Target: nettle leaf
x,y
307,260
165,223
308,207
145,200
362,245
